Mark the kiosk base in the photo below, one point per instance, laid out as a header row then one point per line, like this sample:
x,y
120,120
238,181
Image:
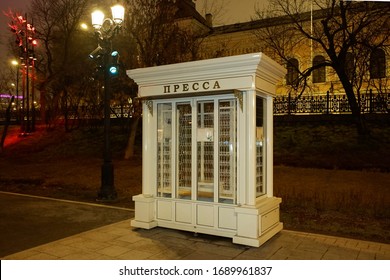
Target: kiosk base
x,y
246,225
257,242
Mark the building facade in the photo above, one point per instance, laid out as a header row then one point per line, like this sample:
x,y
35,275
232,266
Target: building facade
x,y
300,54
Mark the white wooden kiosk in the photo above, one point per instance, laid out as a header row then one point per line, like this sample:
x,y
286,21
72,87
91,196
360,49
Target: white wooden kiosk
x,y
208,147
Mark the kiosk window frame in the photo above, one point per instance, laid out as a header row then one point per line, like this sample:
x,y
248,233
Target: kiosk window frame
x,y
197,149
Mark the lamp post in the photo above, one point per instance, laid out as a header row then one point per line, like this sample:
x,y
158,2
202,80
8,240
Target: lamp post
x,y
105,30
16,64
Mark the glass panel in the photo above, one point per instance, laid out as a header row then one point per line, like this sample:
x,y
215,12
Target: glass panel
x,y
260,189
227,151
205,151
184,138
164,150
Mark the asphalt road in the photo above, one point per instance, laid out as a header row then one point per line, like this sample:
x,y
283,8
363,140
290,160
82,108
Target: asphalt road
x,y
26,222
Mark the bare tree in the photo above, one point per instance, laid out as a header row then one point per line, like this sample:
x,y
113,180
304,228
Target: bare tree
x,y
161,39
153,29
216,8
346,32
61,54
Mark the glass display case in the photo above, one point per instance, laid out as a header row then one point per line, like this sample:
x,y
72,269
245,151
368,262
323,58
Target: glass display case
x,y
207,148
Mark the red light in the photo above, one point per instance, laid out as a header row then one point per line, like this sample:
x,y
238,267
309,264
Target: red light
x,y
34,42
30,27
14,29
21,19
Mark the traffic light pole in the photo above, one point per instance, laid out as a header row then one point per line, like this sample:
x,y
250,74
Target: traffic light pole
x,y
107,192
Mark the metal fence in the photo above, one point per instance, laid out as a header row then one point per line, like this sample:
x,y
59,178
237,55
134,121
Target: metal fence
x,y
330,104
283,105
73,113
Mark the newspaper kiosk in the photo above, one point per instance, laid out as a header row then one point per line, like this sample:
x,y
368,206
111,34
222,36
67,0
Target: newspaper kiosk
x,y
208,147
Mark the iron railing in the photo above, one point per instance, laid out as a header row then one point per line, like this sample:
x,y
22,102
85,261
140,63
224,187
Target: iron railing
x,y
283,105
330,104
76,112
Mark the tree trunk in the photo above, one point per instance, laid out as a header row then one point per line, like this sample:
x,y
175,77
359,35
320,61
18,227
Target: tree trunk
x,y
42,103
7,122
358,118
129,152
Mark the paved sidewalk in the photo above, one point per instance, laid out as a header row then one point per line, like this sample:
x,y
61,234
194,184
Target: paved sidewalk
x,y
120,241
29,221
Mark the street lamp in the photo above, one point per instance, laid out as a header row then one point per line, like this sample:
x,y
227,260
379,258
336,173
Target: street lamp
x,y
105,30
16,64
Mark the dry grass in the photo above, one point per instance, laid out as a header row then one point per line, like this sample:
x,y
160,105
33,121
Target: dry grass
x,y
340,202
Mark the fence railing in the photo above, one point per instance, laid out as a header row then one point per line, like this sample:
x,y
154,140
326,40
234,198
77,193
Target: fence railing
x,y
330,104
283,105
74,113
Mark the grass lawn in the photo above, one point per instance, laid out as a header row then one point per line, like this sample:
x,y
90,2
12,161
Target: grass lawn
x,y
330,181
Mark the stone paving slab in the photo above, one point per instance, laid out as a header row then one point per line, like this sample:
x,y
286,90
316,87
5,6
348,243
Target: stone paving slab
x,y
120,241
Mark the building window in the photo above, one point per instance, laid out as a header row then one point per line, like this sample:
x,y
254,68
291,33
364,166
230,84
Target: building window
x,y
378,64
292,71
318,73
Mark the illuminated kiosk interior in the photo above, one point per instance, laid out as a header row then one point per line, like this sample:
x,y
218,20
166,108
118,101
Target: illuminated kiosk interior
x,y
208,147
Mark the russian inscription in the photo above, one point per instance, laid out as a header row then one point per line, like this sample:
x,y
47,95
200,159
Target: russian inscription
x,y
192,87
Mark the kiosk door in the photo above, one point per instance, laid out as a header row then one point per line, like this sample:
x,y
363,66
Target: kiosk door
x,y
216,151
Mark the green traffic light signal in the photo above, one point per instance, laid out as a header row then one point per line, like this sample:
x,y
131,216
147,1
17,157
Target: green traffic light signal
x,y
114,63
113,70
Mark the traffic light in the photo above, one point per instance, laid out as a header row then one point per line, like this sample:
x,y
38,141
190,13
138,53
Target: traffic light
x,y
113,66
97,53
